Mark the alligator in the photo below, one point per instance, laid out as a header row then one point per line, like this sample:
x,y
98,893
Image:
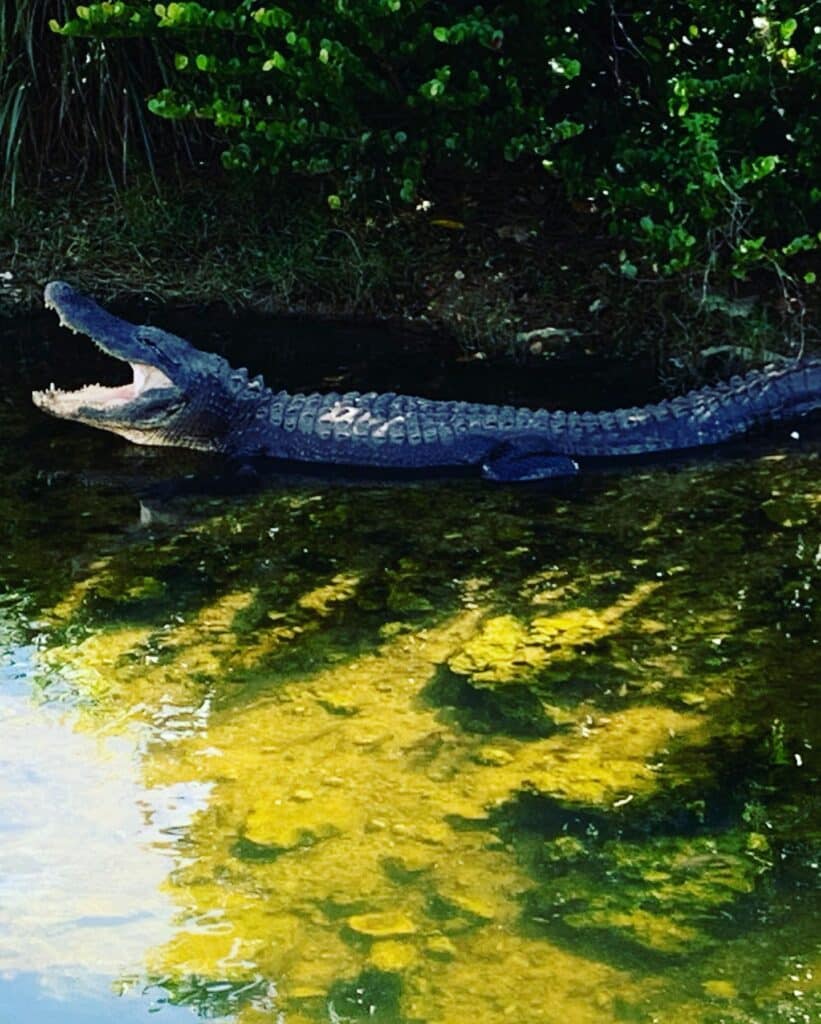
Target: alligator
x,y
184,397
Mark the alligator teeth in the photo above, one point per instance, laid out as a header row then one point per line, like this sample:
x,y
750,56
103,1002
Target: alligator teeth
x,y
67,326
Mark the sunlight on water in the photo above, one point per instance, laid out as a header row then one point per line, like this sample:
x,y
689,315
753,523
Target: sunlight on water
x,y
415,753
84,850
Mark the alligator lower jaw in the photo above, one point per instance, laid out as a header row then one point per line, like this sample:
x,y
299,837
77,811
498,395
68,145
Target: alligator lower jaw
x,y
99,398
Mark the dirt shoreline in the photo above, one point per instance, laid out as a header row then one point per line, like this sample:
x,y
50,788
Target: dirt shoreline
x,y
522,280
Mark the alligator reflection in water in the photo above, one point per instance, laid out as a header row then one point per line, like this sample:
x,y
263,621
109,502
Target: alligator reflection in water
x,y
468,754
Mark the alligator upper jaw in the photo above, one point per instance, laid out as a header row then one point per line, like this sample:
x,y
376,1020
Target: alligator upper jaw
x,y
83,315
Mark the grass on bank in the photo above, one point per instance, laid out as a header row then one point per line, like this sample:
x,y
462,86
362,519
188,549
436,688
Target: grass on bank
x,y
512,274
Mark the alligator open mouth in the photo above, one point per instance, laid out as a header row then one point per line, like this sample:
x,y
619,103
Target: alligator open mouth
x,y
81,315
99,397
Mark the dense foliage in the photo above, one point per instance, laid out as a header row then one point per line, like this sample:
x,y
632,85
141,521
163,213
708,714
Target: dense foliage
x,y
693,126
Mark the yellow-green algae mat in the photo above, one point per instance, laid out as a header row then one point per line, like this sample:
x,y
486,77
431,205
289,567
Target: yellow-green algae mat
x,y
476,754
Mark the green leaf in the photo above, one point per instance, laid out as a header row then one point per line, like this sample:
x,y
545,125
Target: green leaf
x,y
750,245
801,243
430,90
567,66
786,28
276,60
272,17
764,165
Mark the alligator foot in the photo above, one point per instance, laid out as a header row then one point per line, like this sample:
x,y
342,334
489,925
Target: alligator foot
x,y
512,462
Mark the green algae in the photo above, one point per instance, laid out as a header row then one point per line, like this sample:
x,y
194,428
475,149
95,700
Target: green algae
x,y
663,893
473,753
509,650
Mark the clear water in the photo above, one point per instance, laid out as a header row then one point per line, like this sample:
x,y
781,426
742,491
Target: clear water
x,y
426,752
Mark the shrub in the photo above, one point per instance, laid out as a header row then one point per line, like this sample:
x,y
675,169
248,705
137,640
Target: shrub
x,y
693,126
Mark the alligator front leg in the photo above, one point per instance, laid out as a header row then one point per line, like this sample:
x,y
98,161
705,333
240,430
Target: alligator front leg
x,y
520,461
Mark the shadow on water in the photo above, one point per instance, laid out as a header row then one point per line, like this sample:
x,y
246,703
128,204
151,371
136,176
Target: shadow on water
x,y
335,750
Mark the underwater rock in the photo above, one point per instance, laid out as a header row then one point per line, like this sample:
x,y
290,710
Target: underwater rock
x,y
381,924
